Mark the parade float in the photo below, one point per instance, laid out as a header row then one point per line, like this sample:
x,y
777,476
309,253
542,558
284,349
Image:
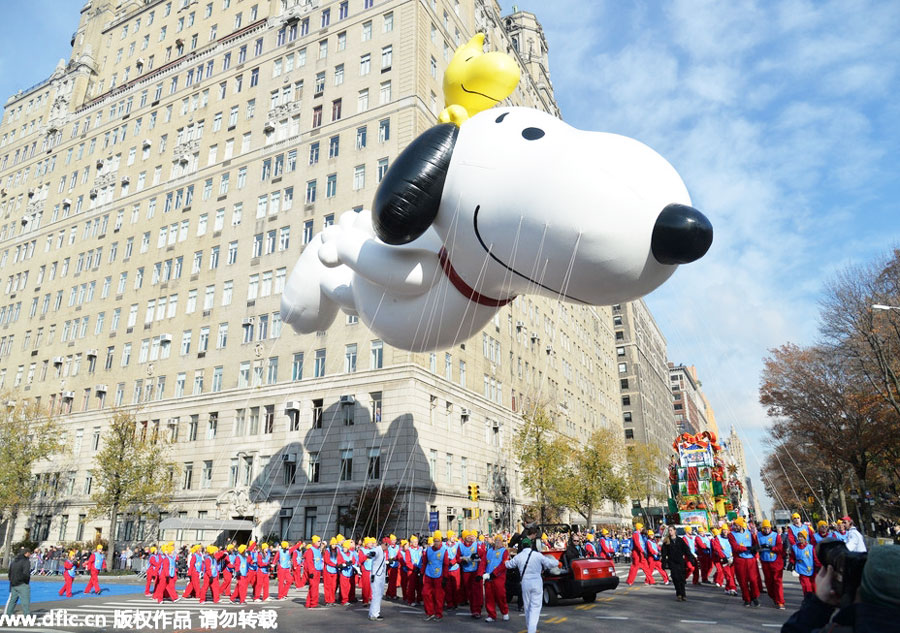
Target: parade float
x,y
703,490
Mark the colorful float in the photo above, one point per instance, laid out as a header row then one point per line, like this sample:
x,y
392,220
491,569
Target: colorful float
x,y
702,490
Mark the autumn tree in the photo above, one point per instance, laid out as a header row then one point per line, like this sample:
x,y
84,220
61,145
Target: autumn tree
x,y
543,454
596,473
800,478
131,471
28,435
818,399
646,471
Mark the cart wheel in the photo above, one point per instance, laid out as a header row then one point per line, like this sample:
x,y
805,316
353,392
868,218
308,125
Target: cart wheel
x,y
550,598
589,597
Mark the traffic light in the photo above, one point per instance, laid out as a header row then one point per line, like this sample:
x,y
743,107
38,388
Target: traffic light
x,y
471,492
475,493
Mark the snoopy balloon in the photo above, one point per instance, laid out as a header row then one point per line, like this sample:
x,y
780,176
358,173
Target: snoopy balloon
x,y
512,202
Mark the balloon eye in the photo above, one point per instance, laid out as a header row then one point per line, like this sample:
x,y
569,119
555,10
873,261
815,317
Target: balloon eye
x,y
532,133
500,118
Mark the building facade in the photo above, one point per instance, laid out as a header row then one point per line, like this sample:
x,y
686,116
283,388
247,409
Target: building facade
x,y
156,190
641,354
689,404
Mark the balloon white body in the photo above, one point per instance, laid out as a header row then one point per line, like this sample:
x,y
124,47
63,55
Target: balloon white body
x,y
568,215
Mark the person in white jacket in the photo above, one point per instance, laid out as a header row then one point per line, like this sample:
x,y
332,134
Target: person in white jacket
x,y
531,565
855,541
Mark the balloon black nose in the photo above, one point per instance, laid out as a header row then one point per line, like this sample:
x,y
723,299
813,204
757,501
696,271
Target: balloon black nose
x,y
681,235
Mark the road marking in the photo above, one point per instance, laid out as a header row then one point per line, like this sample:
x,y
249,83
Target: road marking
x,y
611,617
585,607
771,626
699,621
556,620
606,599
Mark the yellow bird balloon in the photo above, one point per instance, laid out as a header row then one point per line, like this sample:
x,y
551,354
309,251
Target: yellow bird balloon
x,y
475,81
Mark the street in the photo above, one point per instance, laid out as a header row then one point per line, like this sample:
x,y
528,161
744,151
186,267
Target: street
x,y
636,609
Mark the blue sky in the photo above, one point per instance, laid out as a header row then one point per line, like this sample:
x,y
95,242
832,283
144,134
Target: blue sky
x,y
782,119
780,116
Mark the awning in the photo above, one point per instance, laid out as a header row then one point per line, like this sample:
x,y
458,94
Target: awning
x,y
205,524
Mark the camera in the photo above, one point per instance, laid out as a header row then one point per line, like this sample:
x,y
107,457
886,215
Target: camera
x,y
848,567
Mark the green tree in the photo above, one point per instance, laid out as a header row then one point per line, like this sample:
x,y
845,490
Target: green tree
x,y
646,471
595,474
543,455
132,473
373,510
28,435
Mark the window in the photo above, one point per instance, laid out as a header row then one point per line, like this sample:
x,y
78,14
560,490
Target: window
x,y
373,471
384,130
623,368
336,110
346,464
317,116
297,366
361,137
367,31
319,368
313,472
350,358
386,58
382,168
188,476
629,434
365,62
623,383
376,358
359,177
334,146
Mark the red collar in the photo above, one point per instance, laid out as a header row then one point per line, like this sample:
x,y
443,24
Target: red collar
x,y
465,289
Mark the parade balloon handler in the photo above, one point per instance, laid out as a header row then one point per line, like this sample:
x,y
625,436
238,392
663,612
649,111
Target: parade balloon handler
x,y
872,605
531,565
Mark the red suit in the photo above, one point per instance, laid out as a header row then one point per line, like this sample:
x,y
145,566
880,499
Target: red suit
x,y
434,566
495,588
365,578
347,576
165,582
228,572
724,571
638,560
771,556
69,567
606,549
692,571
471,583
654,562
261,590
193,586
313,565
95,563
704,557
153,564
453,579
297,565
243,573
330,556
393,572
745,568
284,571
412,562
210,579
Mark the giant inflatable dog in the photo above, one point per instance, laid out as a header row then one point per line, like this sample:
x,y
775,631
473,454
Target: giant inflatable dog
x,y
513,202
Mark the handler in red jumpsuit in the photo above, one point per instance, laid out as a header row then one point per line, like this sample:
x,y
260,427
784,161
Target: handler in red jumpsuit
x,y
435,563
472,555
744,546
153,563
95,563
209,574
165,581
639,557
771,555
412,562
313,565
495,580
70,565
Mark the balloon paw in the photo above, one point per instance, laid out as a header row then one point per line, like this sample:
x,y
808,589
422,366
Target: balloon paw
x,y
455,114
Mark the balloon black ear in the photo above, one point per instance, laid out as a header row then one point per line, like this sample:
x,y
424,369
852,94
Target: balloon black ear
x,y
408,198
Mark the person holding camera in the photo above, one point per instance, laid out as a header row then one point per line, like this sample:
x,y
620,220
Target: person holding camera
x,y
850,599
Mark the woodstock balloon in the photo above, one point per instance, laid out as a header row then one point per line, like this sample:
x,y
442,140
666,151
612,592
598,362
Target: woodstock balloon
x,y
512,202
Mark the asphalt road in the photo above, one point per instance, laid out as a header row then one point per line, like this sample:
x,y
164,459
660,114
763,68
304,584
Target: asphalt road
x,y
637,609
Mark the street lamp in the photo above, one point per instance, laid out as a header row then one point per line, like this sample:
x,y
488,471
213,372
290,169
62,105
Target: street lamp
x,y
881,306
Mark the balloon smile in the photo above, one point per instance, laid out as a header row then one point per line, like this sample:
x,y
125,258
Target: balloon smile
x,y
488,250
481,94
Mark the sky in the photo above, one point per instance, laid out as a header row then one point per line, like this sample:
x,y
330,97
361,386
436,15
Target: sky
x,y
782,119
779,116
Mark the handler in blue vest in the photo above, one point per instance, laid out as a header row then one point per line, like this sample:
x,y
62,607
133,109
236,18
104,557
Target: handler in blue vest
x,y
803,556
313,564
284,571
771,556
435,563
95,563
393,567
744,545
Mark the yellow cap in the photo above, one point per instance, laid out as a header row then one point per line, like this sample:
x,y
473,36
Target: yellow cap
x,y
285,544
404,542
340,538
242,548
802,533
590,536
796,515
716,531
99,548
333,541
393,537
413,536
821,523
229,547
687,529
543,536
265,546
451,534
725,528
152,549
481,537
211,549
638,526
72,552
316,538
740,522
437,535
431,540
604,531
767,523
